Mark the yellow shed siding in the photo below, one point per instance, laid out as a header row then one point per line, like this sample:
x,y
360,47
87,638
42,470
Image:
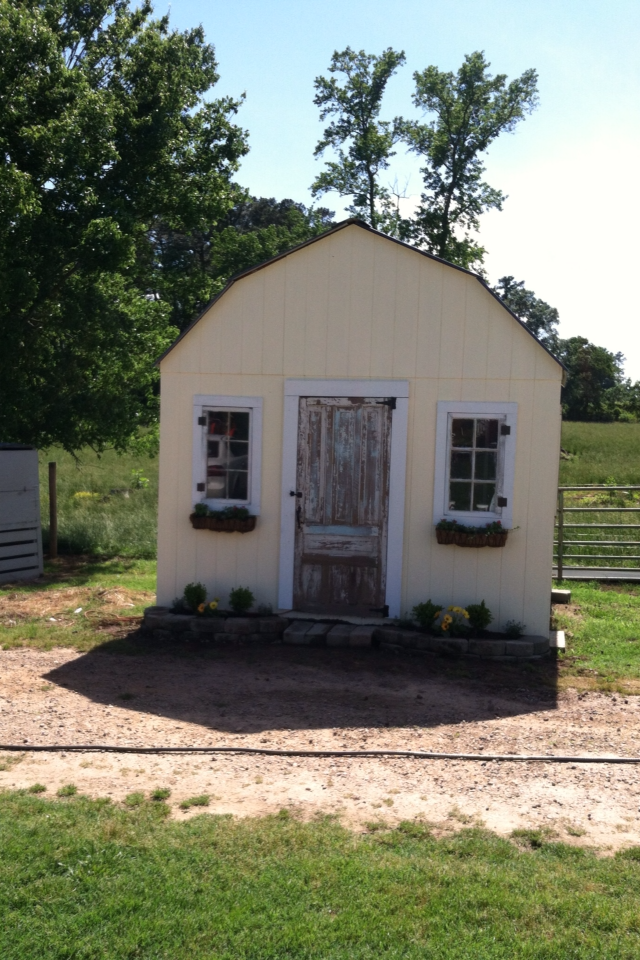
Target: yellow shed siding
x,y
355,305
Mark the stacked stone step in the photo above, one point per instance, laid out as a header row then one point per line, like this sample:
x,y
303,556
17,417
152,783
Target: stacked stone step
x,y
160,623
305,633
525,648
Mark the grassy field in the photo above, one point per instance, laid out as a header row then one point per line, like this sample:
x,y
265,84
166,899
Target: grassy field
x,y
89,879
107,505
600,453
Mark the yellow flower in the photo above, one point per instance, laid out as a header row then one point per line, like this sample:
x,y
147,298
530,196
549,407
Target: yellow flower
x,y
201,608
213,605
445,627
437,614
447,620
465,614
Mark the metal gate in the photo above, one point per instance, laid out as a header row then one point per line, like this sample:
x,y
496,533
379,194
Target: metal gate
x,y
602,532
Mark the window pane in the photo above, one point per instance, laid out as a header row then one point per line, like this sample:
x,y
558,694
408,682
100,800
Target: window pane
x,y
239,426
238,485
487,434
219,423
460,465
486,463
462,433
228,455
459,496
483,495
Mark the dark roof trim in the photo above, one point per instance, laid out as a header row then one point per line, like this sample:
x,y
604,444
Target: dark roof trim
x,y
351,222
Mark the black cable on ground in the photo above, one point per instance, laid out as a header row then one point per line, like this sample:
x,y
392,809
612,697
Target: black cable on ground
x,y
270,752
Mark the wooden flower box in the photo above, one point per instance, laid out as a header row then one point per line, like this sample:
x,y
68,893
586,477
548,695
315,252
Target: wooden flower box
x,y
223,526
462,539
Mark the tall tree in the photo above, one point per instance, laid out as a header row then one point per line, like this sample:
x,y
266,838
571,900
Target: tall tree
x,y
363,143
192,267
472,108
539,317
104,128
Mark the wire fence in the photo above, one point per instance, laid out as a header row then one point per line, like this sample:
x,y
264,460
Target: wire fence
x,y
602,532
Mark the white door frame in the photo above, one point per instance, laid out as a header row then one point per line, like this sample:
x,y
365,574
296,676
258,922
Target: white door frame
x,y
293,390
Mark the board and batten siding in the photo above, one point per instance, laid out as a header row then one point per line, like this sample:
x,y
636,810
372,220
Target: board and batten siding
x,y
356,305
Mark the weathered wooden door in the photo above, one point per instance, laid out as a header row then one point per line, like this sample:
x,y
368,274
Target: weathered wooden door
x,y
342,505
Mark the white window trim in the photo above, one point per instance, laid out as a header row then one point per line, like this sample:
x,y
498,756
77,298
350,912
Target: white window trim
x,y
509,413
202,402
294,389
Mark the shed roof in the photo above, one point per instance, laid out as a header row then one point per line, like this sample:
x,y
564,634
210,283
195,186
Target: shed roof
x,y
352,222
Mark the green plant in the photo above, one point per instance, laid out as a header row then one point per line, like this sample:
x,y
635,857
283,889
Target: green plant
x,y
241,599
138,481
201,510
37,788
194,595
134,799
479,615
160,793
514,629
425,614
452,622
230,513
69,790
200,801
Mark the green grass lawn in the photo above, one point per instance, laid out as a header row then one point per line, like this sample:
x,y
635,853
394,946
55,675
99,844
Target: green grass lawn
x,y
600,453
107,505
87,879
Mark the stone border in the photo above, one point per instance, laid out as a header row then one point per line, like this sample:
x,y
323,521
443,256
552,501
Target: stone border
x,y
162,625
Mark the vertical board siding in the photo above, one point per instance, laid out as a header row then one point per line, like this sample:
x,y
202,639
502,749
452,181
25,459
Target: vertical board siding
x,y
356,305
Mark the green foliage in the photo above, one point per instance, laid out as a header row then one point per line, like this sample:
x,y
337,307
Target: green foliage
x,y
363,143
101,880
160,793
241,599
472,108
514,629
191,267
535,313
134,799
194,594
596,387
200,801
70,790
105,126
99,513
595,451
230,513
479,615
37,788
201,510
425,614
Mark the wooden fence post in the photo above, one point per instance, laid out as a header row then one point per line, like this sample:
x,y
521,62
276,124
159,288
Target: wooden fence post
x,y
53,512
560,533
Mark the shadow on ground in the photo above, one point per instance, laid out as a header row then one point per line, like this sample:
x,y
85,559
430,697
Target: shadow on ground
x,y
254,689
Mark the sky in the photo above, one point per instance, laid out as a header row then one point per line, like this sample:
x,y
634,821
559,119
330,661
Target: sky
x,y
569,227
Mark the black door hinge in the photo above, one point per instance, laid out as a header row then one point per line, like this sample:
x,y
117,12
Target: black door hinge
x,y
502,501
202,421
505,429
388,402
383,610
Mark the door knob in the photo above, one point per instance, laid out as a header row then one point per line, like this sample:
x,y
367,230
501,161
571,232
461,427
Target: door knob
x,y
295,493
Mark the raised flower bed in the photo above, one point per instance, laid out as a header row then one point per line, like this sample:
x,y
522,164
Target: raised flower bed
x,y
452,532
229,520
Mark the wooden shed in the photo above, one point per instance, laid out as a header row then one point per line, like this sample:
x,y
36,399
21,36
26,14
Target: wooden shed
x,y
351,394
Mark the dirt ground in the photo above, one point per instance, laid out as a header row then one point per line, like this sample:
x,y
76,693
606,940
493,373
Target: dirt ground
x,y
318,699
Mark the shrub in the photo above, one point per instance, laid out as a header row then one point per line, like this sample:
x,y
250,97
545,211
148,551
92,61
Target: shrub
x,y
194,595
514,629
134,799
452,622
200,509
425,614
241,599
69,790
160,793
37,788
479,615
200,801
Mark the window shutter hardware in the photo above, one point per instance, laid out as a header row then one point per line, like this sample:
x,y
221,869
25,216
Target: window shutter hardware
x,y
200,487
202,421
505,429
502,501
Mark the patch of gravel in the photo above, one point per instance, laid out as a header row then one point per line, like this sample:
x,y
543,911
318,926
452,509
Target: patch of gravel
x,y
319,699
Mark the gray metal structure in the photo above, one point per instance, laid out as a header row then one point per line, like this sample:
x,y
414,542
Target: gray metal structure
x,y
20,533
621,556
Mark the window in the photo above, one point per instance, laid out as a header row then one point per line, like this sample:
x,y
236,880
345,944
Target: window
x,y
475,452
227,446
